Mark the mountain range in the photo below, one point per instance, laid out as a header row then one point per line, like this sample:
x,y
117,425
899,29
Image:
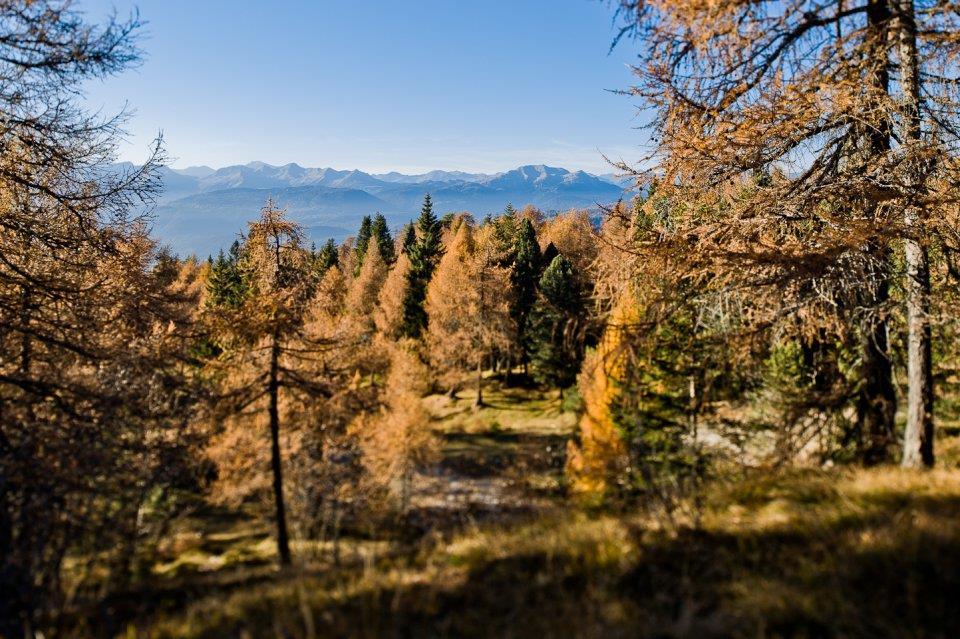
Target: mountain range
x,y
202,209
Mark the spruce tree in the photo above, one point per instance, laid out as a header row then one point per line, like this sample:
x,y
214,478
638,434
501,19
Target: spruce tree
x,y
226,286
409,237
556,324
424,254
381,231
326,257
504,235
524,277
363,241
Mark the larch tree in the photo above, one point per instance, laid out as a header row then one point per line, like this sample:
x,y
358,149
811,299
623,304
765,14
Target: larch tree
x,y
802,143
388,315
265,348
397,439
92,386
574,237
469,313
596,461
358,325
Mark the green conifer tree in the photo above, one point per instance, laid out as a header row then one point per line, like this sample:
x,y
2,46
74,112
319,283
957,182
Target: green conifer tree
x,y
226,286
363,241
504,236
380,230
424,254
409,236
556,326
326,258
524,278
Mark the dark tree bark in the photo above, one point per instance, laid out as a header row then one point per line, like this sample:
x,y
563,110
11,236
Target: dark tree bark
x,y
479,400
877,400
283,543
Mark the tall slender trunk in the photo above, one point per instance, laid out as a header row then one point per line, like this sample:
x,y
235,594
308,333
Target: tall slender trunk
x,y
918,436
283,542
877,401
479,400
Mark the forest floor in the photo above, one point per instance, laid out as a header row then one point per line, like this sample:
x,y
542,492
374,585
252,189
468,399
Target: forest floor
x,y
800,553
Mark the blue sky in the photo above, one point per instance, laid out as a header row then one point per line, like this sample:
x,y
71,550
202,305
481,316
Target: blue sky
x,y
378,85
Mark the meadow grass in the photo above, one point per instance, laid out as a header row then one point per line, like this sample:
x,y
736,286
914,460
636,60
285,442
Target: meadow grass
x,y
842,552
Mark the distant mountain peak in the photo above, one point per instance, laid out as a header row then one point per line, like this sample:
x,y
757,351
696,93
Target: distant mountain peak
x,y
202,209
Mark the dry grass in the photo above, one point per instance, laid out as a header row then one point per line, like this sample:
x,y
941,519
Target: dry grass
x,y
842,553
803,553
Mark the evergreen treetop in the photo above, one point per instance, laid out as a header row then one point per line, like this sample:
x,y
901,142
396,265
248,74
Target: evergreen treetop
x,y
524,278
227,287
326,257
424,254
381,231
363,240
556,326
409,236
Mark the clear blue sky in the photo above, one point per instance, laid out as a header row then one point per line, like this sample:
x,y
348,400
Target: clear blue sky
x,y
378,85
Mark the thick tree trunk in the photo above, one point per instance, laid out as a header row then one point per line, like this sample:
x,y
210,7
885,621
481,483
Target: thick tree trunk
x,y
283,543
918,436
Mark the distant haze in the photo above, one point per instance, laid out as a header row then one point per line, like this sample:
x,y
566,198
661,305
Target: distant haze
x,y
202,210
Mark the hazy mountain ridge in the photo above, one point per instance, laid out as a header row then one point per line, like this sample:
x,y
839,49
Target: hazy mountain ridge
x,y
204,209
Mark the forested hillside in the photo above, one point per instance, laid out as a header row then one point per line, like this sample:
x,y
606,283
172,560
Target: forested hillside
x,y
726,406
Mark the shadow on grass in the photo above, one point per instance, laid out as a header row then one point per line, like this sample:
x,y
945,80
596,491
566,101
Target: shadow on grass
x,y
890,567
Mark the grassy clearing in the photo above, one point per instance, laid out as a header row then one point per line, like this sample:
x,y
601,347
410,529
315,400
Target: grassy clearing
x,y
841,553
804,553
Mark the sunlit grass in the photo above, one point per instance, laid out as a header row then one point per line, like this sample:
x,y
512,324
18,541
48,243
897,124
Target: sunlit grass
x,y
805,553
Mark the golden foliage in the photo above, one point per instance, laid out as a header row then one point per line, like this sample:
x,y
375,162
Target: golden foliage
x,y
398,439
468,310
600,456
388,316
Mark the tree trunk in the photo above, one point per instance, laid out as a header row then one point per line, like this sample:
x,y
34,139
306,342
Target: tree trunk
x,y
877,400
479,401
918,436
283,543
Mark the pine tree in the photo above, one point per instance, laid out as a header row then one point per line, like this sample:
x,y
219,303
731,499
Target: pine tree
x,y
381,231
524,278
557,326
424,254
